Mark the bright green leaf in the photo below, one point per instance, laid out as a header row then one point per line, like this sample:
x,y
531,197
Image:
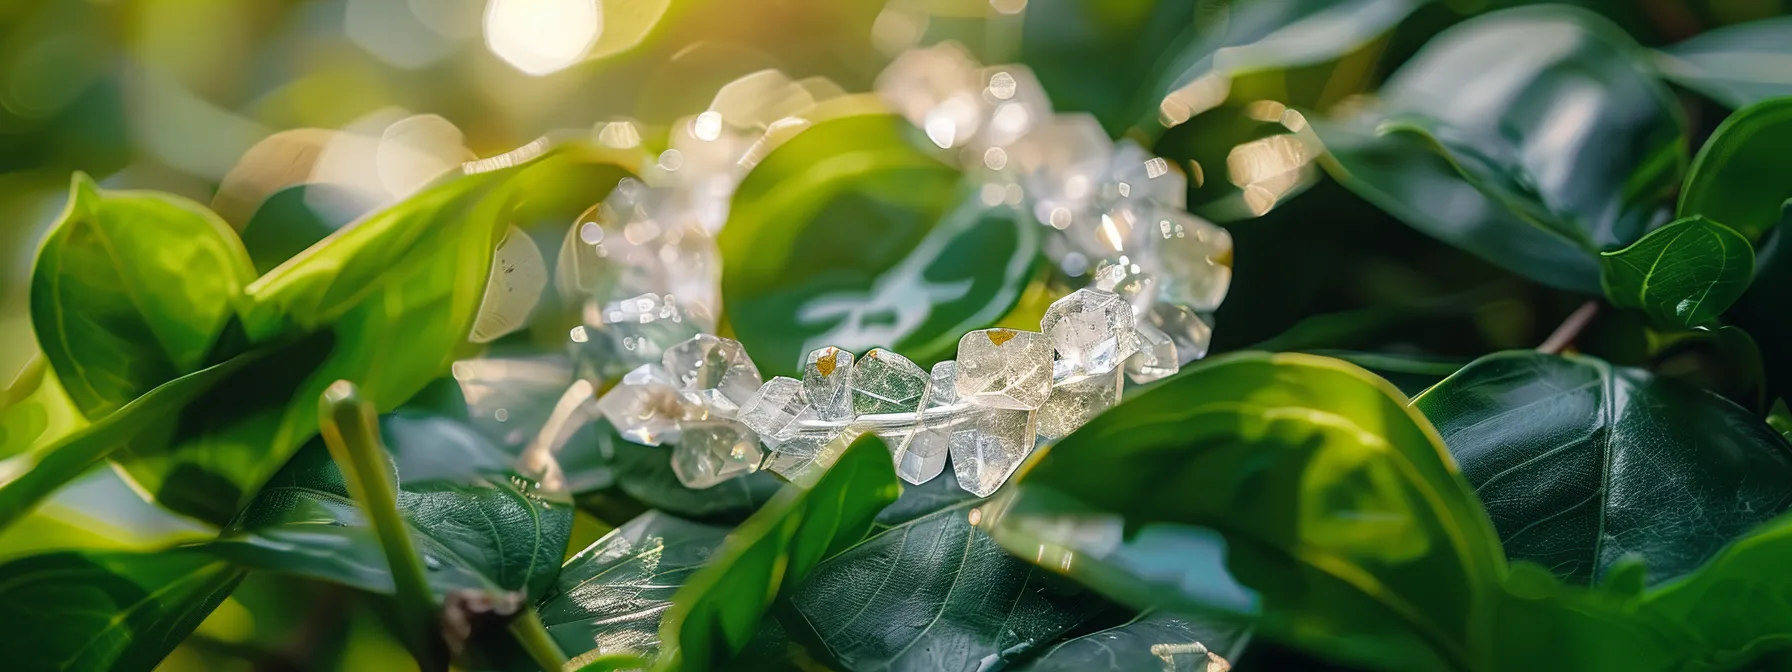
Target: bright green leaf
x,y
1734,179
718,611
1582,464
610,596
1734,65
1681,275
1304,478
1734,607
131,290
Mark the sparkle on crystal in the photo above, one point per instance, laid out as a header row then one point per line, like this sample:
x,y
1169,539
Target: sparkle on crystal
x,y
1004,368
714,451
714,372
772,411
1091,330
644,407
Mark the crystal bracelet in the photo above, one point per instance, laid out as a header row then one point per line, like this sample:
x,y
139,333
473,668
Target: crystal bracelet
x,y
1153,269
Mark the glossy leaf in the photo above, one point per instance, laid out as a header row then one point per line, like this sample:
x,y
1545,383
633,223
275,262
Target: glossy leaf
x,y
1542,624
611,595
106,610
1681,275
1582,464
1303,478
35,411
1731,180
1410,373
131,290
935,593
1734,65
1549,140
847,235
1151,641
718,611
1735,606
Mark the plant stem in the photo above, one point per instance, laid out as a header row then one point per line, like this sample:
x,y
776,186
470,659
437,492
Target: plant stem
x,y
1570,328
534,638
351,431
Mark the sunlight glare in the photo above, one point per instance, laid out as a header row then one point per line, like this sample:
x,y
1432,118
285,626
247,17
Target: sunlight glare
x,y
539,37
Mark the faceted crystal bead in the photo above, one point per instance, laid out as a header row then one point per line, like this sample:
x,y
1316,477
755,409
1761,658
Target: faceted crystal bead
x,y
1075,401
1156,357
1188,330
714,372
623,335
713,451
1125,277
1193,260
924,456
827,384
1139,175
988,445
804,458
645,406
1091,330
885,382
1004,368
772,411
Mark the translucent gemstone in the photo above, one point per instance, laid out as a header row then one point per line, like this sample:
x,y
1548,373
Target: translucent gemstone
x,y
802,459
827,383
1187,329
1075,401
885,382
1137,174
1125,277
1016,104
1004,368
936,89
623,335
772,411
713,451
1193,260
1091,330
714,372
1156,357
924,456
988,445
645,406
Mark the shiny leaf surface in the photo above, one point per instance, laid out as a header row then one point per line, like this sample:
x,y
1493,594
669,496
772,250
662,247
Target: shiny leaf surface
x,y
1681,275
1582,464
1735,65
1731,180
1152,641
610,597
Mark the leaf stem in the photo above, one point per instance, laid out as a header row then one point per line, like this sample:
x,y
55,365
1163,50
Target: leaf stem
x,y
534,638
1570,328
351,432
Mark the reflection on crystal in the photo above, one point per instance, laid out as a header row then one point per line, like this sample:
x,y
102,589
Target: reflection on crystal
x,y
713,451
643,240
942,90
1075,401
803,459
714,372
988,445
509,398
1091,330
924,455
626,334
884,382
1139,175
1156,357
1187,329
1004,368
1124,277
1194,260
1017,104
772,411
827,384
645,406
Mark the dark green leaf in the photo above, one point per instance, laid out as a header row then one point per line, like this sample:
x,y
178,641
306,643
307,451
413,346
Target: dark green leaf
x,y
1334,505
935,593
1725,361
1732,179
1152,641
1735,65
1583,464
846,235
718,610
1682,275
1548,137
1411,373
1736,606
106,610
131,290
645,474
610,596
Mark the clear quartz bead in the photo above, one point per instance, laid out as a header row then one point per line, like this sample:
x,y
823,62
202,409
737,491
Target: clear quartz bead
x,y
1076,401
988,445
620,336
645,407
1091,330
1004,368
712,451
773,410
885,383
1146,177
923,457
1015,103
827,384
1188,330
1156,357
713,372
1193,259
805,457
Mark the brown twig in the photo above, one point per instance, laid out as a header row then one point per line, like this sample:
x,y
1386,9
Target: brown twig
x,y
1570,328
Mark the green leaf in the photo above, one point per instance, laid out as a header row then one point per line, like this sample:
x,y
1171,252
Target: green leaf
x,y
1410,373
1731,180
1736,606
1333,505
477,523
845,235
1682,275
935,593
1152,641
1582,464
131,290
106,610
1532,137
1734,65
718,610
610,597
1542,624
35,411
